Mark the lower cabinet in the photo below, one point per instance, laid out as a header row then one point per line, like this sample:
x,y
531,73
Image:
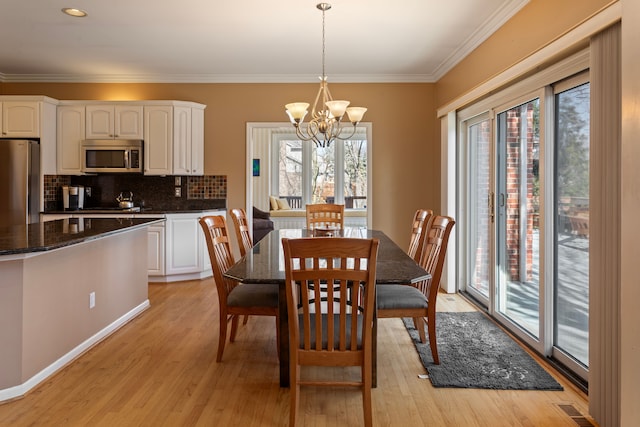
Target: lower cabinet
x,y
185,244
155,256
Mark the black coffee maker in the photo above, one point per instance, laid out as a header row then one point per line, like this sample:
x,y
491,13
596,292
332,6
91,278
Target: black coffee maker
x,y
73,197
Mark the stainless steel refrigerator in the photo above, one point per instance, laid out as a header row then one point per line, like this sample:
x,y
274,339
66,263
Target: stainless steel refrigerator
x,y
19,181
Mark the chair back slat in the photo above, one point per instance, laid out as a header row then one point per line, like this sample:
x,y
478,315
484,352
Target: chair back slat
x,y
241,226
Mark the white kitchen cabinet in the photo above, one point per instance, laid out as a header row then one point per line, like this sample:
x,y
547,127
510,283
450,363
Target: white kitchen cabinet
x,y
174,139
31,116
70,132
188,142
114,121
20,119
181,141
184,244
158,141
197,141
156,250
187,256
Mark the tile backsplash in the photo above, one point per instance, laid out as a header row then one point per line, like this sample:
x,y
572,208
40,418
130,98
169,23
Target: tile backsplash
x,y
153,192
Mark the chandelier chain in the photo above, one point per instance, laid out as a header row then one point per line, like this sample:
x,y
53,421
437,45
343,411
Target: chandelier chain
x,y
323,44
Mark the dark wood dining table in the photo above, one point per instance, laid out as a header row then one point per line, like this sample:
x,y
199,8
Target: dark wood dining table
x,y
265,264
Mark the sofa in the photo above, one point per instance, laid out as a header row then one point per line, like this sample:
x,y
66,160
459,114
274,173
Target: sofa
x,y
262,224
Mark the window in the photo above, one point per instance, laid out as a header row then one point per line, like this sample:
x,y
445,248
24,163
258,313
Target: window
x,y
311,174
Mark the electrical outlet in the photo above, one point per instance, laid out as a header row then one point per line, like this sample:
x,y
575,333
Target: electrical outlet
x,y
87,191
178,191
178,180
92,299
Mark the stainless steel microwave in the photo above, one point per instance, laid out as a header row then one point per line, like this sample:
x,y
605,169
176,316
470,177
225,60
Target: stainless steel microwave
x,y
112,155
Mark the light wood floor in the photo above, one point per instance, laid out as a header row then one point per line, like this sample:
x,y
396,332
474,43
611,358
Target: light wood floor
x,y
160,370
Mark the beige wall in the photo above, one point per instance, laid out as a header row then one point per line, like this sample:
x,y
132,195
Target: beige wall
x,y
535,26
405,133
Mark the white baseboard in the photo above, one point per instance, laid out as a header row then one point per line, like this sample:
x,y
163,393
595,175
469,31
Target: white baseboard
x,y
22,389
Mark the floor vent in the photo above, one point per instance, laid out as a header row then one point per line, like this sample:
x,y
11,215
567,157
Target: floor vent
x,y
575,415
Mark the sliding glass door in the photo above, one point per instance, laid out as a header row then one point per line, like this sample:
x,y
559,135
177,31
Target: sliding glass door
x,y
524,197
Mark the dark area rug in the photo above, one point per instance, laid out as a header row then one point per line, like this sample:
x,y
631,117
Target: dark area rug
x,y
476,353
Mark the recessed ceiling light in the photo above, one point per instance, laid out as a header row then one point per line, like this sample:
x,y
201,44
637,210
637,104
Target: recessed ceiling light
x,y
72,11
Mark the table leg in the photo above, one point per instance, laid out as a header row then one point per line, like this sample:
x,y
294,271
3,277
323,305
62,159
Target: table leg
x,y
283,335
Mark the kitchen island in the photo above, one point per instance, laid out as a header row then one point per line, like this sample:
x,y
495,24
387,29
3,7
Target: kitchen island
x,y
177,249
64,286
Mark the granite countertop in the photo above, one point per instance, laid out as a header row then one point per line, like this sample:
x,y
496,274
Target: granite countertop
x,y
46,236
112,211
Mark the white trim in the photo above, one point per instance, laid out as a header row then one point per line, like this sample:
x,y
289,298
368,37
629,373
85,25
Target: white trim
x,y
505,12
448,171
22,389
216,78
608,16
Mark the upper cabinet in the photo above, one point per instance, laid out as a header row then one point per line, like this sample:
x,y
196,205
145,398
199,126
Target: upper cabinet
x,y
70,133
20,119
173,133
158,144
174,139
33,117
114,121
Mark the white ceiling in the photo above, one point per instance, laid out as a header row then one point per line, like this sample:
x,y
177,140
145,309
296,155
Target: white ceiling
x,y
242,40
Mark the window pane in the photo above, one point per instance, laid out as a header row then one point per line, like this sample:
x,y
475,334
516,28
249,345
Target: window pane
x,y
290,171
518,281
355,174
323,178
572,228
478,202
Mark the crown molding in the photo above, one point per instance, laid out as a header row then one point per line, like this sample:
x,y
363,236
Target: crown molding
x,y
211,78
497,20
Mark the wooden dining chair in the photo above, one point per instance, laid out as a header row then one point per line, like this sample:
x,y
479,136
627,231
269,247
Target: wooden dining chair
x,y
234,299
338,331
243,234
419,301
419,227
324,215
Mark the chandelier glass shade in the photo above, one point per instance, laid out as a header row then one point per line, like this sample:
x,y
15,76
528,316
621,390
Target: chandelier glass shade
x,y
326,121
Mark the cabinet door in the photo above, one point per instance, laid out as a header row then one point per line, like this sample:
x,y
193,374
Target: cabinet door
x,y
155,255
21,119
71,132
100,122
128,121
197,141
182,246
158,141
182,141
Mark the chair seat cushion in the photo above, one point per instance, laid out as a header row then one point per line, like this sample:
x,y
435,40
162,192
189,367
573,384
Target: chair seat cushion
x,y
391,297
253,295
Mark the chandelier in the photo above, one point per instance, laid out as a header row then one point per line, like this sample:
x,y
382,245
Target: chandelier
x,y
325,124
